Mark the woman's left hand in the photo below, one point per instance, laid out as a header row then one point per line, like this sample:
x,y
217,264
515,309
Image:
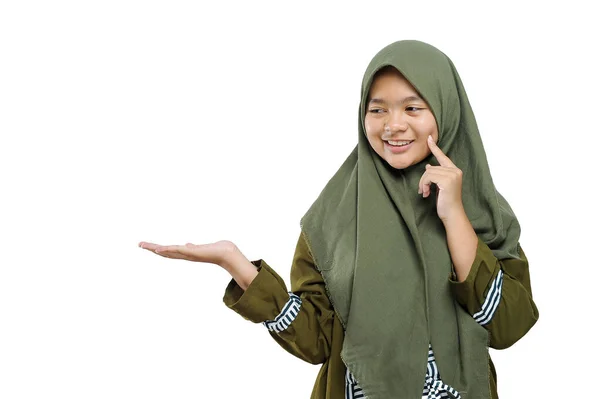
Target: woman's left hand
x,y
448,179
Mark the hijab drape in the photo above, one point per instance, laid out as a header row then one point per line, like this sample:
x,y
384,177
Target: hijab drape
x,y
382,248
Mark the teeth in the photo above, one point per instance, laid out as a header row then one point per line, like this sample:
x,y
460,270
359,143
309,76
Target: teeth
x,y
399,143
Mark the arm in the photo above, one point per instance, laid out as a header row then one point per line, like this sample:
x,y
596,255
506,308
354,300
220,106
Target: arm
x,y
496,292
498,295
300,321
462,242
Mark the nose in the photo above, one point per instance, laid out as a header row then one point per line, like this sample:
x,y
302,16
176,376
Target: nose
x,y
396,121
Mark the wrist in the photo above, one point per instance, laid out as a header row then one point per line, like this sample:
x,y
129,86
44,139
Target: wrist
x,y
454,217
241,269
231,258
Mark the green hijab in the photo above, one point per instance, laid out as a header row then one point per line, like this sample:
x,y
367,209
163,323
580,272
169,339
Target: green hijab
x,y
382,249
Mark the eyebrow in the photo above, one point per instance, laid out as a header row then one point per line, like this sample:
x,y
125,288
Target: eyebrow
x,y
405,100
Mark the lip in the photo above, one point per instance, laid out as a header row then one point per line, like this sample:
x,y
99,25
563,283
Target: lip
x,y
396,149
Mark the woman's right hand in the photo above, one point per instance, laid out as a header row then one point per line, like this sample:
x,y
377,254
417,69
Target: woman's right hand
x,y
219,253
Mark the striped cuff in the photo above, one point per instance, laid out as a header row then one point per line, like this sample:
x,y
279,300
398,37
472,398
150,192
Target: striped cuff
x,y
286,317
492,300
352,390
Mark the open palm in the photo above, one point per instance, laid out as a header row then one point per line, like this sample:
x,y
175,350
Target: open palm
x,y
216,253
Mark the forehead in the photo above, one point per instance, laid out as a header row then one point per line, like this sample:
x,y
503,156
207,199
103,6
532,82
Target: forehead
x,y
390,82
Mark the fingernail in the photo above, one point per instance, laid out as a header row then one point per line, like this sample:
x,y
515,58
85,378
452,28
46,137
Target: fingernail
x,y
430,138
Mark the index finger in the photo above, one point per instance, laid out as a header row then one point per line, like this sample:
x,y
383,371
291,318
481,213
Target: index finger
x,y
439,154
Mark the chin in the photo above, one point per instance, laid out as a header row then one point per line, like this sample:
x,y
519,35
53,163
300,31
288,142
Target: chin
x,y
399,165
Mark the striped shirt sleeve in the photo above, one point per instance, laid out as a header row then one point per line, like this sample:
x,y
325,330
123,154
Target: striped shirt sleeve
x,y
264,298
287,315
497,293
491,302
300,320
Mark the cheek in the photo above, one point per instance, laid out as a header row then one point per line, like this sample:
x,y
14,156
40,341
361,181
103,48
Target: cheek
x,y
369,126
427,127
433,127
372,128
373,133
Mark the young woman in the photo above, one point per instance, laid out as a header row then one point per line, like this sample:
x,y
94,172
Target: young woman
x,y
408,266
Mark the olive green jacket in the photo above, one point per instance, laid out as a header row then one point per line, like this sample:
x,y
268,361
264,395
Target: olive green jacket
x,y
316,334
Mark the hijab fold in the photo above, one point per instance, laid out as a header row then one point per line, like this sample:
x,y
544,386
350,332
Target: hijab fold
x,y
382,248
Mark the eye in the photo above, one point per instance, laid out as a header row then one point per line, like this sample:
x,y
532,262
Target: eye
x,y
376,110
413,109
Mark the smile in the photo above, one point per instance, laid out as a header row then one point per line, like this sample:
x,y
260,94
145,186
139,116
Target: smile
x,y
397,147
399,142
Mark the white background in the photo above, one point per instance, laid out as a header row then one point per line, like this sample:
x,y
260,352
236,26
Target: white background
x,y
174,122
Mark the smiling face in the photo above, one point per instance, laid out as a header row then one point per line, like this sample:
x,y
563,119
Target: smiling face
x,y
398,121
